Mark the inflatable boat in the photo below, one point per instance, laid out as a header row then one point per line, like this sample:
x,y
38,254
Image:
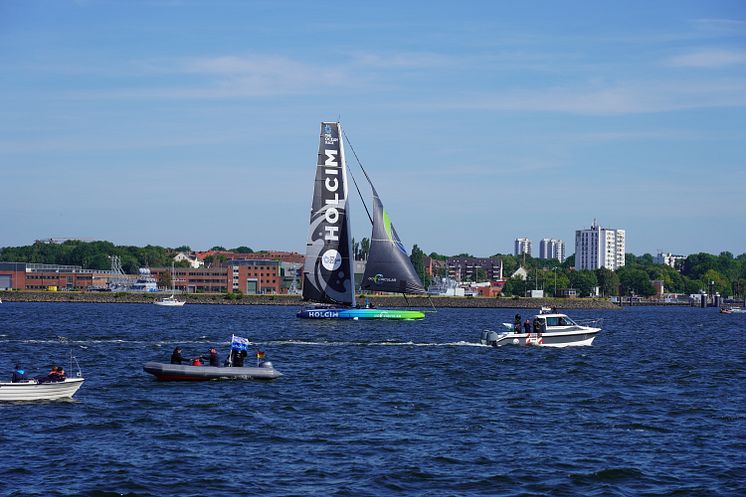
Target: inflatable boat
x,y
182,372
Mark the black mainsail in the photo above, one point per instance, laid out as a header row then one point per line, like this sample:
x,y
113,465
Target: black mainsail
x,y
328,271
388,268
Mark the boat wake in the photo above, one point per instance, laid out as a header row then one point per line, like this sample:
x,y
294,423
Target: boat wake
x,y
375,344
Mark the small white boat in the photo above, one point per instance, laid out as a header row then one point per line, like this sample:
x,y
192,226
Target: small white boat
x,y
557,330
171,301
33,390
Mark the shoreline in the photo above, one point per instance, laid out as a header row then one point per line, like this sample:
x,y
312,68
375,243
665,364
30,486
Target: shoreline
x,y
295,300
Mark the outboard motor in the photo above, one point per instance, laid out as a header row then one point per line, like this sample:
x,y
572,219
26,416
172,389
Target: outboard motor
x,y
489,338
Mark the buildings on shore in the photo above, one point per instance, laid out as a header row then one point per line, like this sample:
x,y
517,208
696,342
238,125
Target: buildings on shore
x,y
549,248
522,246
599,247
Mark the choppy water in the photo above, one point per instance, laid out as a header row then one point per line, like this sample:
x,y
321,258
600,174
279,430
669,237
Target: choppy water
x,y
656,407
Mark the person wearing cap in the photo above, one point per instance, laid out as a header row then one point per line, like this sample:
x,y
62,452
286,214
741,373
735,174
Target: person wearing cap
x,y
19,375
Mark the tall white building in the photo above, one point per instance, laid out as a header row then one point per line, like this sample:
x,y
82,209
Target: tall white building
x,y
522,246
599,247
549,248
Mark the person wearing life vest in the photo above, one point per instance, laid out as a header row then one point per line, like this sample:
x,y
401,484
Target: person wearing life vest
x,y
260,355
19,375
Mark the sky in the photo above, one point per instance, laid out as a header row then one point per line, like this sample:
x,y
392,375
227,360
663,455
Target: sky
x,y
197,123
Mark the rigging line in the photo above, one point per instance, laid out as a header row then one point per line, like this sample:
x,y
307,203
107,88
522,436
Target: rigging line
x,y
357,158
360,195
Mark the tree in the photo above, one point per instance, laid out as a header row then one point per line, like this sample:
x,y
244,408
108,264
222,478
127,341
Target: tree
x,y
164,280
184,248
608,281
584,281
515,286
635,280
418,261
218,248
241,250
364,248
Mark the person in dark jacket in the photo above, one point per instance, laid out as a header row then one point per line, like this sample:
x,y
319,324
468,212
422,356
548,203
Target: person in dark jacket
x,y
19,375
176,357
517,323
214,359
527,326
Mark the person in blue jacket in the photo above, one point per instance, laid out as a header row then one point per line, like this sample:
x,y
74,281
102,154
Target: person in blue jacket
x,y
19,375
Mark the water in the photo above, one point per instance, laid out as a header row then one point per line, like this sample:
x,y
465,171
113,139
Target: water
x,y
654,408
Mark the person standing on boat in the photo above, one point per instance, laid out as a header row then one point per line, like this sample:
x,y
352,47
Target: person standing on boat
x,y
214,359
527,326
19,374
517,323
176,357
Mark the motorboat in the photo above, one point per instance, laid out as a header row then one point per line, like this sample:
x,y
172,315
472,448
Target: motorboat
x,y
557,330
183,372
732,310
171,301
34,390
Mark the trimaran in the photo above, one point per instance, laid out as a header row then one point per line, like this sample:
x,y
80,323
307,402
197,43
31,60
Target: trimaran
x,y
329,278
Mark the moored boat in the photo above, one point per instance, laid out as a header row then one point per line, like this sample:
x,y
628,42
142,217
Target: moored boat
x,y
171,301
34,390
554,330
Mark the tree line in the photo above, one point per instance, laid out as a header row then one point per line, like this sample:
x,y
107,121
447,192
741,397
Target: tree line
x,y
96,255
721,273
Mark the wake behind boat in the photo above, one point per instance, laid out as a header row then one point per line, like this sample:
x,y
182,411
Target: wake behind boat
x,y
548,329
328,271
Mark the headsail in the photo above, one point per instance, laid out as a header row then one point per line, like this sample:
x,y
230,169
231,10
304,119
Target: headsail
x,y
328,273
388,268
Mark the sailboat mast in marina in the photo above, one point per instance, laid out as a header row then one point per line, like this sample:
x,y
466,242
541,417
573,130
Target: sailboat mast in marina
x,y
329,279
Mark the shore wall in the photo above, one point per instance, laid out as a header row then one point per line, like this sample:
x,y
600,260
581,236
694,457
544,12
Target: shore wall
x,y
295,300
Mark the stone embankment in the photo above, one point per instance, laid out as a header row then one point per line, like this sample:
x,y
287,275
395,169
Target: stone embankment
x,y
295,300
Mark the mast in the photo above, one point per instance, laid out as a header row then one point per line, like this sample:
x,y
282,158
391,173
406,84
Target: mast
x,y
348,227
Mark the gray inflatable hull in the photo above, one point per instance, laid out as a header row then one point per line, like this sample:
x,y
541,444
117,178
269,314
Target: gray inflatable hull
x,y
180,372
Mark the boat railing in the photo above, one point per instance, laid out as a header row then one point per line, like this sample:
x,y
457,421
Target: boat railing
x,y
591,323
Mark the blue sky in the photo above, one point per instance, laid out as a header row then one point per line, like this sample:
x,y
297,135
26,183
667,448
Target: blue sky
x,y
185,122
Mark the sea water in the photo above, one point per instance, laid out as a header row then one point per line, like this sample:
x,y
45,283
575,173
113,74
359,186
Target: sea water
x,y
655,407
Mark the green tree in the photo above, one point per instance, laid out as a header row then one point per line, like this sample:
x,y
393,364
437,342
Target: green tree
x,y
241,250
364,248
608,281
418,261
584,281
164,280
635,280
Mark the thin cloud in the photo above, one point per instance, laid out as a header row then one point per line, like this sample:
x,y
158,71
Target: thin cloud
x,y
620,99
709,59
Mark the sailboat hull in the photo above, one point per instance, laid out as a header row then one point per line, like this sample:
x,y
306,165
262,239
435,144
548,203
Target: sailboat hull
x,y
344,313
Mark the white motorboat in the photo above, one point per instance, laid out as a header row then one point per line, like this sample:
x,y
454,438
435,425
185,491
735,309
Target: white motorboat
x,y
33,390
171,301
555,330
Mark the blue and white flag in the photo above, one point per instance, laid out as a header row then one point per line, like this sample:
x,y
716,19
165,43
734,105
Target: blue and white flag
x,y
238,343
